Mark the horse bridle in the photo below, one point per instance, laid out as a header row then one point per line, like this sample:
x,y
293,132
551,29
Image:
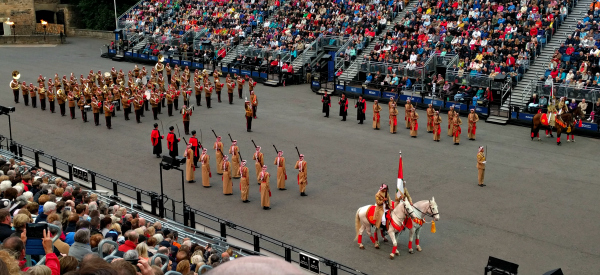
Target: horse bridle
x,y
408,214
429,210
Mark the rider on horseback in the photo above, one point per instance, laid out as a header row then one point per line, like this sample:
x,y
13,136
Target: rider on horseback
x,y
381,201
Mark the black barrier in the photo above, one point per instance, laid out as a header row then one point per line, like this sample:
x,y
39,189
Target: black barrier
x,y
178,211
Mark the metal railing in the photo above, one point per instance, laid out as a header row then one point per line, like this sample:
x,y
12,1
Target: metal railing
x,y
569,91
478,80
165,207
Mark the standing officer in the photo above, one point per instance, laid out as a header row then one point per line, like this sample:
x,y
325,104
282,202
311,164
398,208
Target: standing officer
x,y
61,97
407,107
218,88
138,103
326,103
195,148
376,115
72,103
265,189
14,86
81,105
170,96
155,137
227,183
198,91
343,107
481,166
456,122
230,86
206,174
108,110
154,102
361,106
258,156
25,92
208,92
393,118
96,110
430,113
218,146
240,84
281,173
244,181
249,115
251,85
33,94
42,96
234,151
172,141
437,127
190,168
52,97
414,123
302,181
126,102
473,118
186,113
254,102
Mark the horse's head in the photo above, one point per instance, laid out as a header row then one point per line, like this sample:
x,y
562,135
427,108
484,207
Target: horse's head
x,y
409,210
433,207
578,113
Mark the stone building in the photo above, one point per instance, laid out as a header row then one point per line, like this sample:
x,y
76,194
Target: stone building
x,y
26,13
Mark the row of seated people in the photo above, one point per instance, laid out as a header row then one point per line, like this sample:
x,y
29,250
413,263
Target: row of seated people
x,y
491,31
541,102
301,22
32,197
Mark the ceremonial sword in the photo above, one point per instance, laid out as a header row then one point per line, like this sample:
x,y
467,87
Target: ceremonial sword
x,y
180,134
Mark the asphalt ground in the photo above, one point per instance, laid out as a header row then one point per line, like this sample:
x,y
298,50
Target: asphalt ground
x,y
539,208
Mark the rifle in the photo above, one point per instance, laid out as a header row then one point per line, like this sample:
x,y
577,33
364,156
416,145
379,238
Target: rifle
x,y
161,126
214,133
297,151
276,151
201,139
486,153
180,134
254,144
230,137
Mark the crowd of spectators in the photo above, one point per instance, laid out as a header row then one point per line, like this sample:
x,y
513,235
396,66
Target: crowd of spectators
x,y
28,195
490,38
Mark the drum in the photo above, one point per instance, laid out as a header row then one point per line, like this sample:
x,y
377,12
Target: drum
x,y
87,108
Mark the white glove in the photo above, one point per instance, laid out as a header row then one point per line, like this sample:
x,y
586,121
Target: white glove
x,y
483,162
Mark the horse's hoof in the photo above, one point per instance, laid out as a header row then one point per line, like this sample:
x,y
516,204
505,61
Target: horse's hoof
x,y
392,256
362,247
547,136
398,252
539,139
411,251
419,248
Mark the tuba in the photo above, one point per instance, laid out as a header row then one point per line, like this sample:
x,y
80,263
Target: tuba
x,y
106,75
16,75
159,65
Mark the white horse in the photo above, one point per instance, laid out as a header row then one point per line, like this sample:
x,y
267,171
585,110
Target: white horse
x,y
397,223
423,208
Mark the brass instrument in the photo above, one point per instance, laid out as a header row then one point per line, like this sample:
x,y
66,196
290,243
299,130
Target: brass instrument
x,y
107,75
16,75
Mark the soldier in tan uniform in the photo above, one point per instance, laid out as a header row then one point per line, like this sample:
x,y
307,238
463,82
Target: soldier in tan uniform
x,y
258,156
227,183
376,115
254,102
301,165
473,118
108,110
407,107
14,86
218,146
381,198
72,104
414,122
244,181
265,189
249,116
393,118
481,166
437,127
96,110
190,168
25,93
240,84
234,151
42,96
456,122
230,86
81,105
281,172
451,114
61,98
206,174
218,88
430,113
208,92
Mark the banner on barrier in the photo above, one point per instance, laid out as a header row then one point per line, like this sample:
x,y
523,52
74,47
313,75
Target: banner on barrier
x,y
112,51
186,63
166,61
138,55
316,84
526,116
234,70
197,65
373,93
128,53
245,72
144,56
177,62
264,75
357,90
479,109
152,57
224,69
434,102
412,98
339,87
588,126
457,106
388,95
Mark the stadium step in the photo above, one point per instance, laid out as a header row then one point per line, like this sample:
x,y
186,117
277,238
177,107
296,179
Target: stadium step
x,y
271,82
523,90
497,120
350,73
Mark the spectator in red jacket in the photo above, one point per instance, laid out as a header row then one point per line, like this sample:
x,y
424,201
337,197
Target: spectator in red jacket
x,y
130,243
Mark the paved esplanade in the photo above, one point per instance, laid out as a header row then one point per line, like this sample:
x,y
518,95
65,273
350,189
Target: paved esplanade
x,y
539,209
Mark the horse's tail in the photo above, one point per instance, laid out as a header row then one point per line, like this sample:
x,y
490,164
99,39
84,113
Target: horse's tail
x,y
357,224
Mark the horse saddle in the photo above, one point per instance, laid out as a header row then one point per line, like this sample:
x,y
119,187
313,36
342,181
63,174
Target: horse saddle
x,y
371,215
550,120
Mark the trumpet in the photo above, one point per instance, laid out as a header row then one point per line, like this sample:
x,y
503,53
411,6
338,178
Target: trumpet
x,y
187,110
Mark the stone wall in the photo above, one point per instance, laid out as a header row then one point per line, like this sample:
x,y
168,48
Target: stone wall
x,y
107,35
29,39
21,12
